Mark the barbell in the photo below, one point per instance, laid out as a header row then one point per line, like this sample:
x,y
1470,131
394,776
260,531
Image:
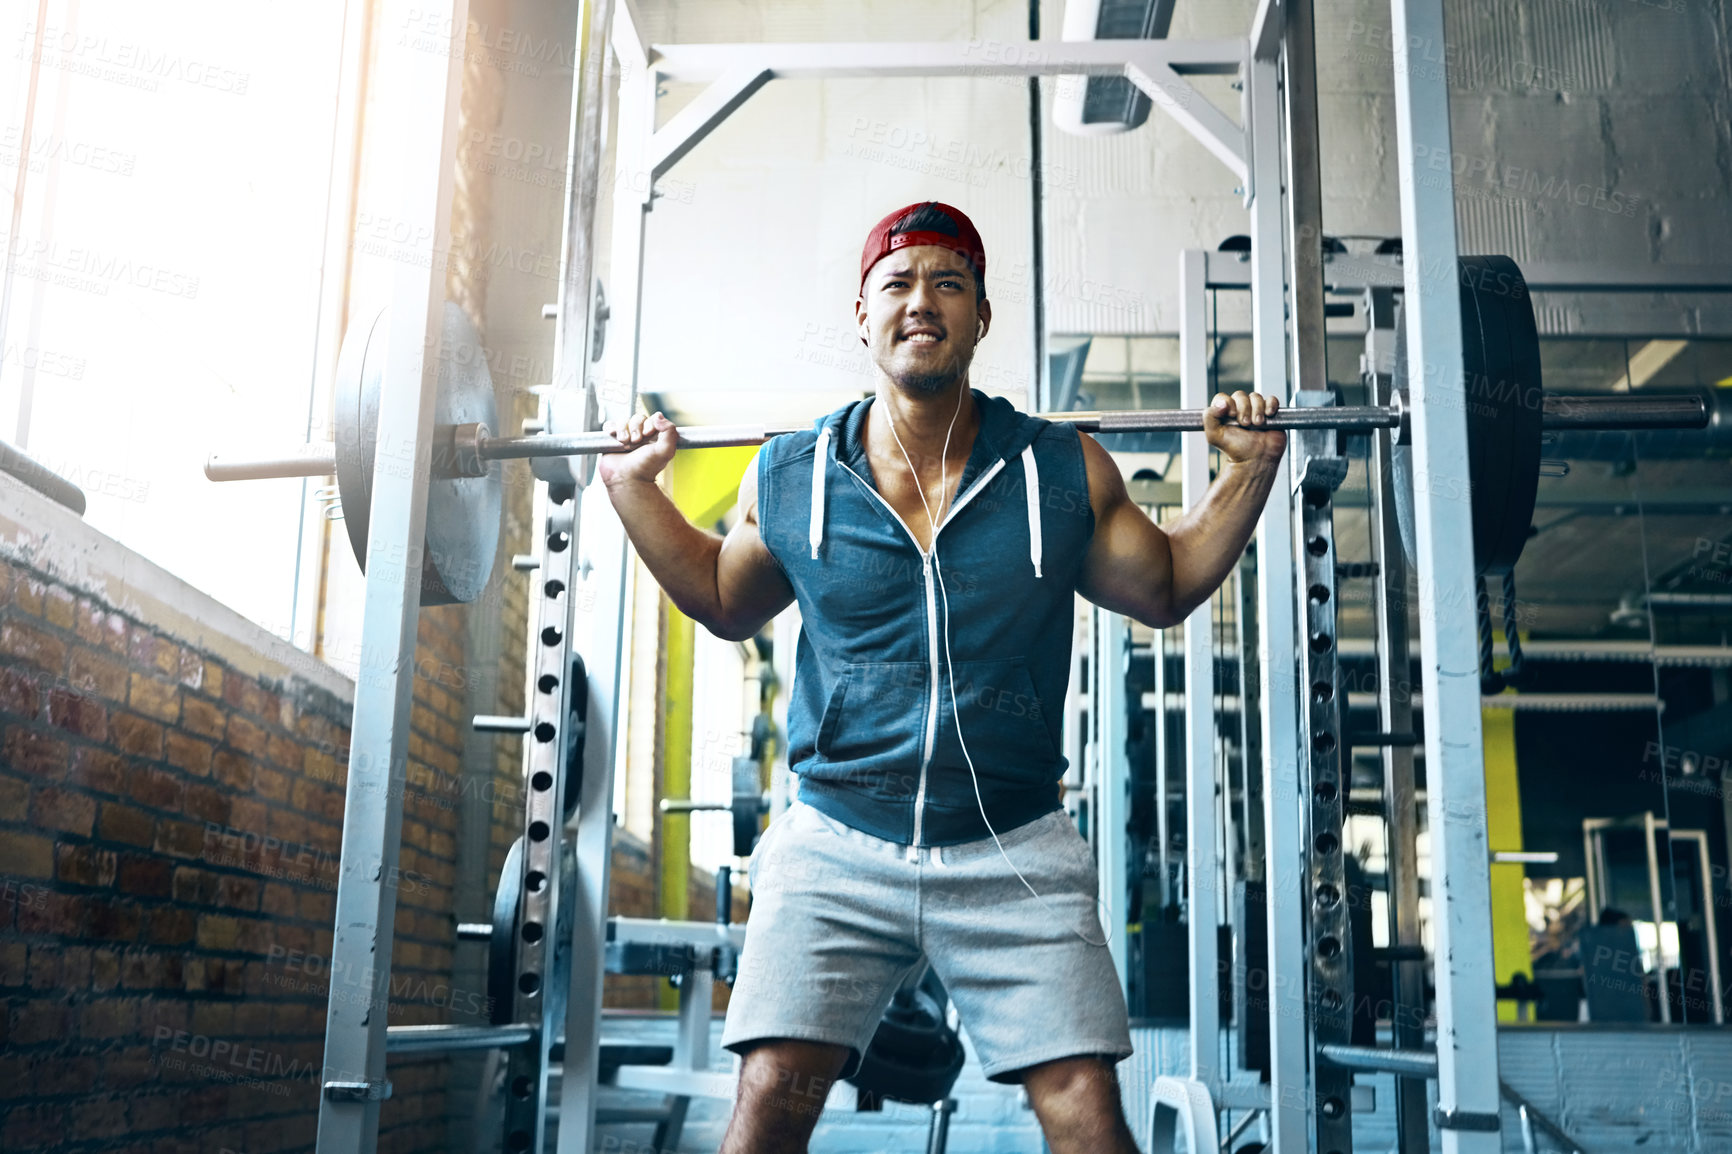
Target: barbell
x,y
1508,412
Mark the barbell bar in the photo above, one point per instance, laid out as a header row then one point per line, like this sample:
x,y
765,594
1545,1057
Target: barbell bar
x,y
471,448
1507,411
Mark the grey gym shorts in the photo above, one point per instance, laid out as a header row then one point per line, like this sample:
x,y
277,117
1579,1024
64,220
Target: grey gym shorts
x,y
840,919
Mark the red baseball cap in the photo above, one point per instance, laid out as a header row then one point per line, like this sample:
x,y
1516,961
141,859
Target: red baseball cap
x,y
925,222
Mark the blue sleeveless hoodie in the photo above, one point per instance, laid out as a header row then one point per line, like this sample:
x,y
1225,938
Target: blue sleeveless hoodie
x,y
896,646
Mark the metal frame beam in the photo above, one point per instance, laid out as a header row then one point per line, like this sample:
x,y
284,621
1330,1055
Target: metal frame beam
x,y
1202,822
626,37
1395,715
1110,813
424,89
929,58
1157,67
1467,1075
1277,639
1266,30
554,960
698,119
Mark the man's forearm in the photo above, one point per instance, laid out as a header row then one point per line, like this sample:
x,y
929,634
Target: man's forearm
x,y
1208,540
680,556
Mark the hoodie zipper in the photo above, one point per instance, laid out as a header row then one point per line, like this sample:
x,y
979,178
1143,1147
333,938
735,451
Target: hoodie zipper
x,y
926,555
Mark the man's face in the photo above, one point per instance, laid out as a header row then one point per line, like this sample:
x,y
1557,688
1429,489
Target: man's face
x,y
919,316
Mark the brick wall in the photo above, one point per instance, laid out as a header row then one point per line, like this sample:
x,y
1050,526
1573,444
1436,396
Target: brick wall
x,y
170,830
169,837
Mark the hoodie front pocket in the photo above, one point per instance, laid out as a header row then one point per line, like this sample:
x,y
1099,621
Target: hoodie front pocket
x,y
876,712
1003,720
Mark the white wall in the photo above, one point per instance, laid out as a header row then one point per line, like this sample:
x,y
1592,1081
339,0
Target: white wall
x,y
753,257
1585,131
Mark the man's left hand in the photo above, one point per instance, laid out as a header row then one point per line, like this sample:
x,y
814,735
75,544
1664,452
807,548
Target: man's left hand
x,y
1244,441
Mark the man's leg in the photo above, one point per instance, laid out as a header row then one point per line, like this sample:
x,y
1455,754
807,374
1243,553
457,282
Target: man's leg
x,y
783,1085
1077,1102
830,938
1031,975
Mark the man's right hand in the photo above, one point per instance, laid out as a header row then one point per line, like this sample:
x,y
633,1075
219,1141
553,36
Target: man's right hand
x,y
652,441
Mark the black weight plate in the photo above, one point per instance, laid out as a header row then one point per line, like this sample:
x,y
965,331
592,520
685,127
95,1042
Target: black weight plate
x,y
745,814
1483,349
1504,404
1506,294
925,1080
463,513
576,726
502,946
912,1026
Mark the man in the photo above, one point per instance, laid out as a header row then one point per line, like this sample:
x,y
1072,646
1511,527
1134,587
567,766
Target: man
x,y
935,539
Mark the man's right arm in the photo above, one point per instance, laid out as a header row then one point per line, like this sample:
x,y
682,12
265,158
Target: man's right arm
x,y
729,585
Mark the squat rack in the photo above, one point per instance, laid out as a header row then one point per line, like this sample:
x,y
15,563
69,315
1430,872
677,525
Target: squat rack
x,y
568,961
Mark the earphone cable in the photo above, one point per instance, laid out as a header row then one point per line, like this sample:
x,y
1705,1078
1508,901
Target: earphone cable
x,y
950,667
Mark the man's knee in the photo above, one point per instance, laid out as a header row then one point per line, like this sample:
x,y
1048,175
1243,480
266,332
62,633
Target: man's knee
x,y
1077,1102
1085,1085
783,1085
789,1077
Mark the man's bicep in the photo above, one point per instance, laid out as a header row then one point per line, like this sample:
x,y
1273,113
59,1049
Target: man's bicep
x,y
749,583
752,562
1129,565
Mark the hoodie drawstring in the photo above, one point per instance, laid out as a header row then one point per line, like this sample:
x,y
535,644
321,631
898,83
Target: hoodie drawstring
x,y
815,532
1031,482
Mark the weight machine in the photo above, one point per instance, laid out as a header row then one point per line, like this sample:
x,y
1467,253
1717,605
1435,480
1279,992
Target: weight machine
x,y
415,463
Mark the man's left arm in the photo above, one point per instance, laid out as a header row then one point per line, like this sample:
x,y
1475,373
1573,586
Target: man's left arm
x,y
1158,576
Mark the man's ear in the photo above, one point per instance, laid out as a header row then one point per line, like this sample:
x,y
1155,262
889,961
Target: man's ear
x,y
984,311
860,320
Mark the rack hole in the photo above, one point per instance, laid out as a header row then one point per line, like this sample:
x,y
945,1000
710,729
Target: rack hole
x,y
535,880
1329,947
544,731
1322,692
1327,895
540,780
1320,642
557,542
547,683
551,636
1323,742
1326,792
537,831
529,982
554,588
532,932
1327,843
1317,546
1319,593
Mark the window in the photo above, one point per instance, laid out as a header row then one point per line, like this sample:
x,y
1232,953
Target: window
x,y
165,195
